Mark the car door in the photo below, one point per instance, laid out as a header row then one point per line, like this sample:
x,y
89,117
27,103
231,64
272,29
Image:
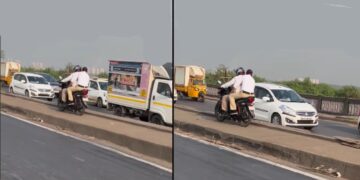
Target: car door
x,y
22,84
15,83
93,91
161,99
262,107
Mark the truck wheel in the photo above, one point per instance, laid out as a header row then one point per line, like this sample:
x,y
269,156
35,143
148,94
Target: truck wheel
x,y
156,119
99,103
120,111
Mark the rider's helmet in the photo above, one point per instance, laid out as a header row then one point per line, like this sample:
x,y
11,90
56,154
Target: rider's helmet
x,y
250,72
240,71
77,68
84,69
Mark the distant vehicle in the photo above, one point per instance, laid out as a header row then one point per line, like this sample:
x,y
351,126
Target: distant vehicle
x,y
190,82
31,85
281,105
141,90
53,83
8,69
98,92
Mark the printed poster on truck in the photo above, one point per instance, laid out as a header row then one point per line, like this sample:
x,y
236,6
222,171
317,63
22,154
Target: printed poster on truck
x,y
129,78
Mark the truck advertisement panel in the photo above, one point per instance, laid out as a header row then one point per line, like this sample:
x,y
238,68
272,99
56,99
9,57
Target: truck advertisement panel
x,y
129,78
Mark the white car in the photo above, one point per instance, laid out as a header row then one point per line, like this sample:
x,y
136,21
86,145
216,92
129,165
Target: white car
x,y
31,85
98,92
281,105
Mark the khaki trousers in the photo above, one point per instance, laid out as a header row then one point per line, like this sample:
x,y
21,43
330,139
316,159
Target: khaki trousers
x,y
70,90
232,97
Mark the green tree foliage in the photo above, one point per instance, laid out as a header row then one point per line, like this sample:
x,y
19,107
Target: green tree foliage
x,y
349,92
2,52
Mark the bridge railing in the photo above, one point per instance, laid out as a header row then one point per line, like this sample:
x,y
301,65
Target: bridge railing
x,y
331,105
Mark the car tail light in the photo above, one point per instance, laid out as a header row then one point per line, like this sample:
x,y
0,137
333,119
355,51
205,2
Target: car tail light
x,y
85,92
251,99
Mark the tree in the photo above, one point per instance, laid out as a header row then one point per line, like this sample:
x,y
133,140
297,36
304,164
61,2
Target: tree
x,y
348,92
2,52
103,75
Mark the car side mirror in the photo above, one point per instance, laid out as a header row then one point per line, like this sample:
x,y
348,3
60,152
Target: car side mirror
x,y
219,82
266,99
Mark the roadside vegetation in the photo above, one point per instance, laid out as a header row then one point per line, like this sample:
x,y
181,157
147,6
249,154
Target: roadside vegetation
x,y
302,87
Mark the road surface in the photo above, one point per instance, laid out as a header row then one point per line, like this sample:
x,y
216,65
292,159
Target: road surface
x,y
34,153
194,160
325,127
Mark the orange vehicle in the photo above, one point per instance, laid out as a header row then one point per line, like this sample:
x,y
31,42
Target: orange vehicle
x,y
190,82
8,69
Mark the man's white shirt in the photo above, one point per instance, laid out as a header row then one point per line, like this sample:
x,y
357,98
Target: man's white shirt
x,y
83,79
248,84
72,78
235,82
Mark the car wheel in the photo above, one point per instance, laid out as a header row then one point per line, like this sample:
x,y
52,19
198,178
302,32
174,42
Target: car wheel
x,y
156,119
99,103
27,94
201,97
276,119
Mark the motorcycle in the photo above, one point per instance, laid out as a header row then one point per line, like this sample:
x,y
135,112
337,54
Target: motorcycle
x,y
244,108
78,106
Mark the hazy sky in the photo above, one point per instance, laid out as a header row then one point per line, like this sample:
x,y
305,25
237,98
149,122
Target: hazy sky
x,y
86,32
278,39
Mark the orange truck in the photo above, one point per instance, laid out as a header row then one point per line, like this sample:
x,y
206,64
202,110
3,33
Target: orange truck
x,y
190,82
8,69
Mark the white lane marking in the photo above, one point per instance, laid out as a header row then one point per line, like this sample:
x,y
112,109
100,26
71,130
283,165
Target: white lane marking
x,y
251,157
93,143
79,159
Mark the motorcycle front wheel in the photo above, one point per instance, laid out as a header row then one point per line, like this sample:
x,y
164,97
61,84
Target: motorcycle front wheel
x,y
219,116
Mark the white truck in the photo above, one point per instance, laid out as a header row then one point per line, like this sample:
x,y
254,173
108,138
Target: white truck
x,y
140,89
8,69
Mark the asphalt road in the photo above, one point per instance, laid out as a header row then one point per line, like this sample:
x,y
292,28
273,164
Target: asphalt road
x,y
194,160
325,127
30,152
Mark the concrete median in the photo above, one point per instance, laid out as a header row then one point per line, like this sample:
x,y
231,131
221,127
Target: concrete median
x,y
149,141
306,151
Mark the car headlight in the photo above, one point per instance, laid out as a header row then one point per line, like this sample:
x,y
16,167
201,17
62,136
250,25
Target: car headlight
x,y
287,110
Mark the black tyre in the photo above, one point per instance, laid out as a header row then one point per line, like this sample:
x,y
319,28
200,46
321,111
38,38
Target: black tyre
x,y
99,103
201,97
219,116
27,94
157,119
120,111
276,119
244,117
61,105
308,128
144,118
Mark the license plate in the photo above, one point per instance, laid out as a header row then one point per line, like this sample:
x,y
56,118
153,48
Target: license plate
x,y
306,119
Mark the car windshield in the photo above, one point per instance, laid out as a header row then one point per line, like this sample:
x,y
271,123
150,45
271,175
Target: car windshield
x,y
48,77
103,85
37,80
287,95
198,82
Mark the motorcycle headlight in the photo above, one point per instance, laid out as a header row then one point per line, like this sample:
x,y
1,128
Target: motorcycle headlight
x,y
287,110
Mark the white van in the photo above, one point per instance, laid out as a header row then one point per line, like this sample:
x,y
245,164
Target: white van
x,y
31,85
98,92
281,105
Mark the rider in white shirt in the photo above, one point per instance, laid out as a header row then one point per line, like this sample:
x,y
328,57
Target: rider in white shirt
x,y
82,82
73,80
236,85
